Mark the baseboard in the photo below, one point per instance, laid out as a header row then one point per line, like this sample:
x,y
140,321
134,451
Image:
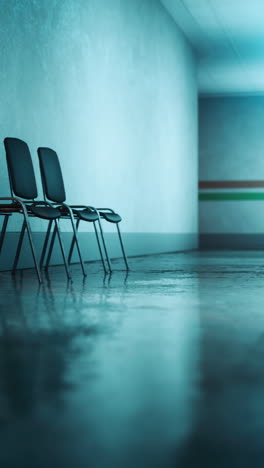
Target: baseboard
x,y
136,244
232,241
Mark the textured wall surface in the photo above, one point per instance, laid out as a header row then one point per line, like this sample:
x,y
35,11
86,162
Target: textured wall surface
x,y
231,149
111,85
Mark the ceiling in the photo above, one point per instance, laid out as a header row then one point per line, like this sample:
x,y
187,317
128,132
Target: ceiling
x,y
228,38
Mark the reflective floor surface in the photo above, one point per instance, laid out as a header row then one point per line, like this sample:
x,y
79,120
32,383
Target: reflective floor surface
x,y
163,367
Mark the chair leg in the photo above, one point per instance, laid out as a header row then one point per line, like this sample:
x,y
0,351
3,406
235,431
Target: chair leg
x,y
104,245
122,247
19,245
62,249
45,245
50,248
3,231
32,247
98,242
99,247
72,243
76,241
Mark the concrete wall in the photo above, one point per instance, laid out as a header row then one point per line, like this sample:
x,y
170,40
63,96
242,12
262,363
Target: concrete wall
x,y
111,85
231,148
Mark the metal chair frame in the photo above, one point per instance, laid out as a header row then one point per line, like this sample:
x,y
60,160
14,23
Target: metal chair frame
x,y
4,228
56,196
101,211
25,207
76,207
72,211
72,215
20,207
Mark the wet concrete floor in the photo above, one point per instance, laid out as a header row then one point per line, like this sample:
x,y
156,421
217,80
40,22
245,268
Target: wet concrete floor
x,y
163,367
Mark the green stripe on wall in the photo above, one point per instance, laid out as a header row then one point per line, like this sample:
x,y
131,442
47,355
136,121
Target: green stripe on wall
x,y
231,196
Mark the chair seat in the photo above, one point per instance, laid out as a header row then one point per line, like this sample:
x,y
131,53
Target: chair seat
x,y
111,217
45,212
86,215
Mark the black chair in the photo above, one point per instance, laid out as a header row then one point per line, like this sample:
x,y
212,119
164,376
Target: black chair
x,y
54,191
23,197
51,174
109,215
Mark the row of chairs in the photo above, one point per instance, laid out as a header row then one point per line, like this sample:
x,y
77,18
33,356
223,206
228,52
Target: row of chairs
x,y
24,200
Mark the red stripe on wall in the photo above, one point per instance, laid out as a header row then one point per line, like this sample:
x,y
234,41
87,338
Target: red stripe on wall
x,y
227,184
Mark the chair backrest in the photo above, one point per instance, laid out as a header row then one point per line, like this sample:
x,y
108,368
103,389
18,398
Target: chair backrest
x,y
51,175
20,169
